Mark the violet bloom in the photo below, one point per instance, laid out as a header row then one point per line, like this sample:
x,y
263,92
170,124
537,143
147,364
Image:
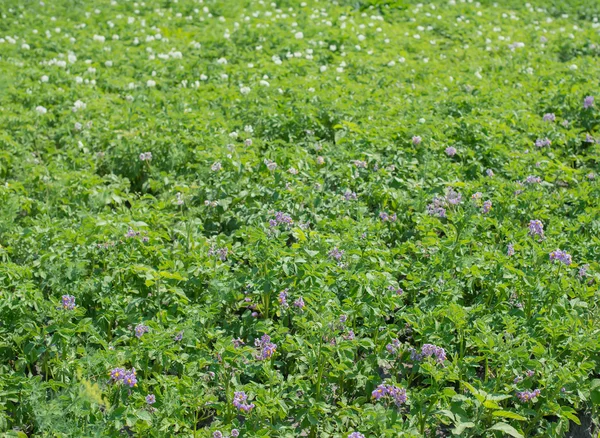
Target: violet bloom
x,y
336,254
350,196
588,102
150,399
394,393
130,378
140,329
360,164
146,156
561,256
281,218
218,434
541,142
549,117
416,140
476,196
393,347
117,374
68,302
283,298
510,251
356,435
349,336
216,166
517,379
237,343
527,396
530,373
343,319
531,179
239,402
489,173
583,270
179,336
398,290
271,165
429,350
452,196
299,303
451,151
589,138
265,346
487,206
437,207
235,433
536,228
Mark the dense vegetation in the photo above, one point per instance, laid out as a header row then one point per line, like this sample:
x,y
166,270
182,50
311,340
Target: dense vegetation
x,y
324,219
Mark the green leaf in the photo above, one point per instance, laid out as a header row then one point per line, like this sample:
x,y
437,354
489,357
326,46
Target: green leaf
x,y
460,427
508,414
507,429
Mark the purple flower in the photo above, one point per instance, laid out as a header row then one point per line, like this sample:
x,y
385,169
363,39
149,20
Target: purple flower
x,y
350,196
588,102
349,336
452,196
489,172
541,142
451,151
179,336
476,196
117,374
360,164
356,435
589,138
437,207
216,166
529,373
129,378
396,394
416,140
336,254
517,379
527,396
281,218
561,256
150,399
536,228
549,117
299,303
531,179
283,298
343,319
386,217
140,329
429,350
583,270
237,343
510,251
68,302
265,346
218,434
146,156
393,347
487,206
398,290
235,433
239,402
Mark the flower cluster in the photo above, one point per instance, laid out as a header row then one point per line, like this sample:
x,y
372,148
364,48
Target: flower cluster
x,y
146,156
588,102
281,218
266,348
140,329
387,218
396,394
393,347
527,395
549,117
68,302
121,375
356,435
536,228
336,254
541,142
437,207
283,298
350,196
487,206
451,151
429,350
220,253
299,303
561,256
240,402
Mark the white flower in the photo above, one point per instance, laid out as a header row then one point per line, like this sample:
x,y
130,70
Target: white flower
x,y
362,38
222,61
323,68
25,46
245,90
299,35
150,83
249,129
72,58
108,63
203,77
99,38
44,78
41,110
78,80
233,134
79,105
